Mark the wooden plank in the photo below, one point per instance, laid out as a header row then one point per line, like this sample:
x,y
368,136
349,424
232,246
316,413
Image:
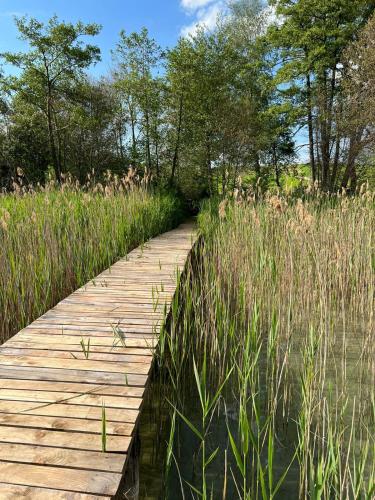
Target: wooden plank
x,y
77,347
99,317
76,337
60,478
91,377
68,411
63,439
80,388
17,492
88,303
76,364
111,312
70,353
109,331
95,322
71,398
61,457
65,424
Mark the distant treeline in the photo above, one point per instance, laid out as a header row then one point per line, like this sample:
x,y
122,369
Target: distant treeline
x,y
238,99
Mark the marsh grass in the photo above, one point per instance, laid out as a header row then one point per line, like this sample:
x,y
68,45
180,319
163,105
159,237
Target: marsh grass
x,y
55,239
279,305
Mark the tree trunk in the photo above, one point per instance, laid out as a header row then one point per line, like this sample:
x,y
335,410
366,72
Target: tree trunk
x,y
178,139
148,147
326,127
310,127
208,161
157,151
54,154
276,166
350,173
134,140
318,164
58,144
335,164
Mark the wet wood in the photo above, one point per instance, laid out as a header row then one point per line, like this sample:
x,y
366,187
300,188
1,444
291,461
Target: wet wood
x,y
93,350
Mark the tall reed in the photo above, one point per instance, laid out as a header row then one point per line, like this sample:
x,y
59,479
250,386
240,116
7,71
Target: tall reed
x,y
281,296
53,240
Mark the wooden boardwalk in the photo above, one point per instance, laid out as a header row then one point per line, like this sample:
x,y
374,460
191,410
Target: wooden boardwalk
x,y
94,348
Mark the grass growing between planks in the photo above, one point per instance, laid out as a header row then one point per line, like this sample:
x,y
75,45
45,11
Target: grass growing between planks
x,y
54,240
270,353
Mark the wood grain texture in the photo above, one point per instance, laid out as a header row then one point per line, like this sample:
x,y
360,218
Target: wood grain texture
x,y
17,492
93,349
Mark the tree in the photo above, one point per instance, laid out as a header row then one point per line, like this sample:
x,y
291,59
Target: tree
x,y
198,78
312,37
359,106
220,86
138,56
91,135
55,62
280,151
27,142
179,76
3,137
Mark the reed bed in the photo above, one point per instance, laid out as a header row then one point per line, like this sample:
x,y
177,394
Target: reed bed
x,y
54,239
270,352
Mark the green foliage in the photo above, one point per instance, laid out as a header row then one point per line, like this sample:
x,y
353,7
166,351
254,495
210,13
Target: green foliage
x,y
222,103
311,39
137,56
49,71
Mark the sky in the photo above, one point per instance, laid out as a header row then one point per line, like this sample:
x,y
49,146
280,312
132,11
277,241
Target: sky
x,y
166,20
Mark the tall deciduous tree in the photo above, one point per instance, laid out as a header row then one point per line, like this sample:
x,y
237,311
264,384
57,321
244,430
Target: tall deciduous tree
x,y
359,106
312,36
138,57
220,86
55,61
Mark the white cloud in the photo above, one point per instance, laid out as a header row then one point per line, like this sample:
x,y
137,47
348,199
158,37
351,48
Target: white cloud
x,y
205,12
194,4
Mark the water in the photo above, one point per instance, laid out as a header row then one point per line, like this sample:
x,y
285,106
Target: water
x,y
347,361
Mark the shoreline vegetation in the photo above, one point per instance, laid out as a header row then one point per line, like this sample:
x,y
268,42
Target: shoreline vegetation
x,y
266,372
55,239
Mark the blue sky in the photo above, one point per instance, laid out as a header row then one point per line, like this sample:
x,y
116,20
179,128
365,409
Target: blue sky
x,y
165,19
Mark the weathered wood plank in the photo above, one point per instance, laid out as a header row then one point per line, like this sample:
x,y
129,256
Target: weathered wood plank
x,y
77,347
76,364
65,424
71,398
81,388
68,354
49,455
60,478
68,410
63,439
17,492
90,377
95,340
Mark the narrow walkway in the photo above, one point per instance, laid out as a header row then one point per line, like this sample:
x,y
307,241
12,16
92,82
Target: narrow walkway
x,y
92,351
